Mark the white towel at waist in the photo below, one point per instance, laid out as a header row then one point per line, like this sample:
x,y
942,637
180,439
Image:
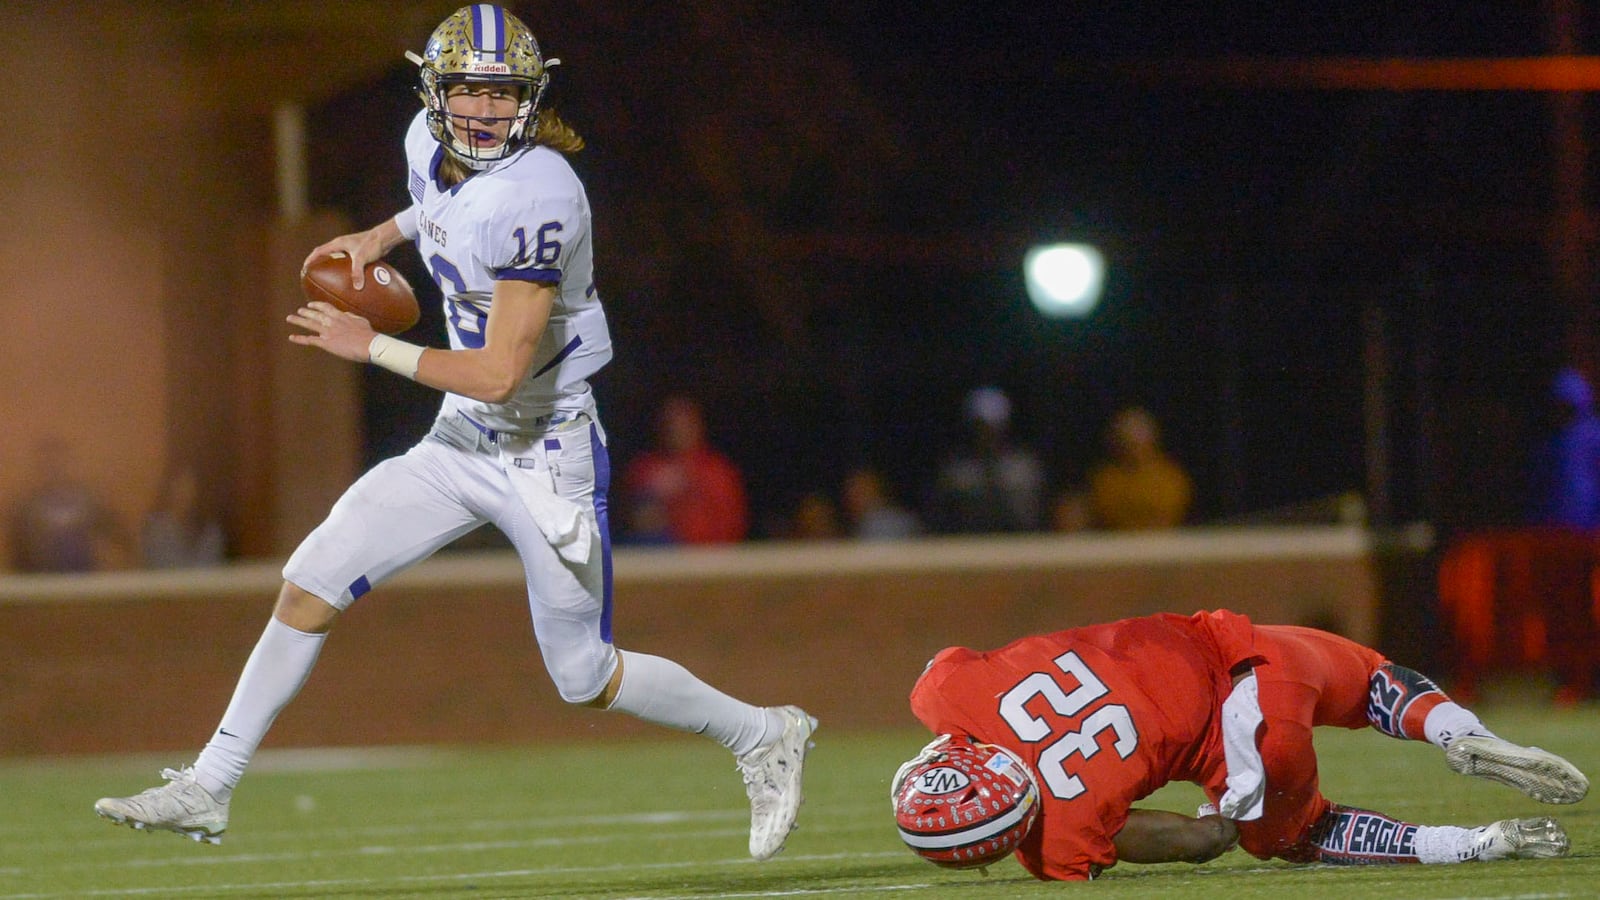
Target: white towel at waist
x,y
567,526
1247,776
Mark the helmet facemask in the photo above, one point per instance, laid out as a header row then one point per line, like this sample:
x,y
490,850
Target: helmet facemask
x,y
482,44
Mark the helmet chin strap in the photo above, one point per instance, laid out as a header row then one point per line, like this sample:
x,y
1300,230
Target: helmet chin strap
x,y
929,753
475,146
470,155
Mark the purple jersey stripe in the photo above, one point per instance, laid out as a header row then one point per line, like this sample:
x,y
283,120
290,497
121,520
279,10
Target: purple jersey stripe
x,y
565,352
543,276
602,488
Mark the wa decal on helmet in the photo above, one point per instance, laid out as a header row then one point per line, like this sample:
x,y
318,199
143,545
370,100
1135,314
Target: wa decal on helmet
x,y
961,804
482,44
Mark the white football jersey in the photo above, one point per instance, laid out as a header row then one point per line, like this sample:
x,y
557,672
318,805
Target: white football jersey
x,y
525,217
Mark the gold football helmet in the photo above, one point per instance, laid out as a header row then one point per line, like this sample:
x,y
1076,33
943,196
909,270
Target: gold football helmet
x,y
482,43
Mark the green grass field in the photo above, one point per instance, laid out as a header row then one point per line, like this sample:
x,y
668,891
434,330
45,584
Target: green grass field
x,y
667,819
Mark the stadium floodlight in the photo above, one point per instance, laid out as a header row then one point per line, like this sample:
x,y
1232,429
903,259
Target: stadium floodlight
x,y
1064,280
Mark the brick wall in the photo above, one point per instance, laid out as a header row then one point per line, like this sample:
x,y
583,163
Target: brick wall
x,y
146,661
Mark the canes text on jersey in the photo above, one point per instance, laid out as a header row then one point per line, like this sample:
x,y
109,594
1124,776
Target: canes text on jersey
x,y
430,228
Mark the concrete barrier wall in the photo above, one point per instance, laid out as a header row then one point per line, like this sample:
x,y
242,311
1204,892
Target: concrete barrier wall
x,y
444,653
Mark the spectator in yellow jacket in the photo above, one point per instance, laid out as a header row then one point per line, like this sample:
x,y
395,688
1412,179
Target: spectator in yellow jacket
x,y
1138,486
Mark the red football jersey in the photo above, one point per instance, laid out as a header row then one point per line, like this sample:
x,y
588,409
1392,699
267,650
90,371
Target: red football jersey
x,y
1104,715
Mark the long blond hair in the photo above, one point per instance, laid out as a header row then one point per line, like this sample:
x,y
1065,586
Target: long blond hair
x,y
549,130
556,134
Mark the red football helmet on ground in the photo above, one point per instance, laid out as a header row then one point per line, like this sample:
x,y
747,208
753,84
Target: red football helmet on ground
x,y
963,805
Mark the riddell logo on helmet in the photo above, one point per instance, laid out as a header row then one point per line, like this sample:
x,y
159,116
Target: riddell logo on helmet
x,y
489,68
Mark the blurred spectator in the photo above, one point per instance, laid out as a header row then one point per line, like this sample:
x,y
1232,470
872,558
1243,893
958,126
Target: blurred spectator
x,y
646,522
815,519
872,513
181,530
1565,478
1138,485
60,525
992,485
684,491
1566,466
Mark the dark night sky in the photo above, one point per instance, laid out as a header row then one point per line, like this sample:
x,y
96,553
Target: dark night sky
x,y
1248,232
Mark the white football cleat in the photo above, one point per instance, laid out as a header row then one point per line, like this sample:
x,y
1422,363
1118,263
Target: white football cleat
x,y
1541,775
1540,837
772,781
180,805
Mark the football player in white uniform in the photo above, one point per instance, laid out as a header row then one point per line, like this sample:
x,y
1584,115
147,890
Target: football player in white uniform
x,y
503,224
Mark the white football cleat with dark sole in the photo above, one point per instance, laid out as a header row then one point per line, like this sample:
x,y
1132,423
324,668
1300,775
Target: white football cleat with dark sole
x,y
1540,837
1541,775
772,781
181,805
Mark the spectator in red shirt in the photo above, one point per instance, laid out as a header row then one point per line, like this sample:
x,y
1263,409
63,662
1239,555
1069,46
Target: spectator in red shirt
x,y
684,491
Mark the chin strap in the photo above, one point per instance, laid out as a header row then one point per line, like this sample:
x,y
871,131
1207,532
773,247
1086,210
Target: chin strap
x,y
928,754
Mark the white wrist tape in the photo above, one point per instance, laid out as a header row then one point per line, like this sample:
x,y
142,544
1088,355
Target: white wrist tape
x,y
398,357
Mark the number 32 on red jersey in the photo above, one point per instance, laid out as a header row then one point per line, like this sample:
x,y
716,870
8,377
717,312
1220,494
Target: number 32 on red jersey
x,y
1069,700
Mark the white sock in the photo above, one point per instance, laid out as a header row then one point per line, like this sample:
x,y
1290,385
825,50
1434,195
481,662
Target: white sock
x,y
278,666
661,691
1449,721
1447,844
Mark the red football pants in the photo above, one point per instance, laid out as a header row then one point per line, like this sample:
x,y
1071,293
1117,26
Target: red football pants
x,y
1309,678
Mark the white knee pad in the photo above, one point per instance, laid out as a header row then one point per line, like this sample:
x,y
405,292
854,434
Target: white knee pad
x,y
580,672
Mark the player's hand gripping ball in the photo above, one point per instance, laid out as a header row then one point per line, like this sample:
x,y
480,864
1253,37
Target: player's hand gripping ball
x,y
385,300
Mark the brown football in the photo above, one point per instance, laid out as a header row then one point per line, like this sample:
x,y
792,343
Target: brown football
x,y
386,299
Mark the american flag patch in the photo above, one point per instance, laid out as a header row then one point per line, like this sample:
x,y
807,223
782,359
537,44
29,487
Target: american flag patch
x,y
417,185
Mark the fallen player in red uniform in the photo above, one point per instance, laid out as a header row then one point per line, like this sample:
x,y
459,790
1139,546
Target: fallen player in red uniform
x,y
1045,745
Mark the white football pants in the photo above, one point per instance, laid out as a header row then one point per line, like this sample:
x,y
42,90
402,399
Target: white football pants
x,y
454,481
